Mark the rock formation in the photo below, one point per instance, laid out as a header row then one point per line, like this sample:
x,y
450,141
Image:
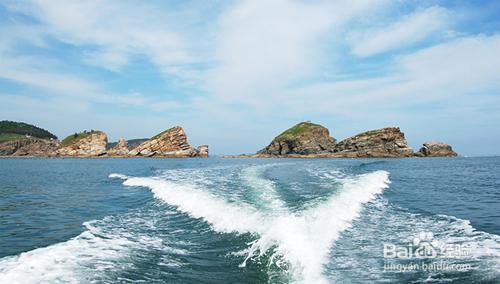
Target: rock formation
x,y
312,140
309,140
202,151
85,144
304,138
120,149
385,142
29,147
170,143
436,149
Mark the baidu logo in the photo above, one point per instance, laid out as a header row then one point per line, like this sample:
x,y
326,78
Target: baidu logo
x,y
424,245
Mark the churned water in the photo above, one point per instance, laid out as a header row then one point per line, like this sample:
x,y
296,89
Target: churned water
x,y
250,220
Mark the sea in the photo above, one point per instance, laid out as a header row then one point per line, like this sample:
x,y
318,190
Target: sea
x,y
216,220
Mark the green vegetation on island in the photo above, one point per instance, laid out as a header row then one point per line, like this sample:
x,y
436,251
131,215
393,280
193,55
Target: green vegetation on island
x,y
11,137
299,129
11,131
77,136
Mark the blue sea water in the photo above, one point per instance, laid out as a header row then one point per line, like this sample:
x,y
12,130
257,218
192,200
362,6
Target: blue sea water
x,y
248,220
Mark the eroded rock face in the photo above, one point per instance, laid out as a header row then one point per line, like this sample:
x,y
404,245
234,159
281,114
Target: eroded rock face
x,y
436,149
303,138
385,142
202,151
92,145
120,149
29,147
170,143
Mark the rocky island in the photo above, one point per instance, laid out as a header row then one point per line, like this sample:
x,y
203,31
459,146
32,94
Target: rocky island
x,y
436,149
303,140
22,139
169,143
310,140
385,142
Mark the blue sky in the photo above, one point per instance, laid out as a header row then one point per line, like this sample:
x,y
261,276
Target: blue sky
x,y
235,74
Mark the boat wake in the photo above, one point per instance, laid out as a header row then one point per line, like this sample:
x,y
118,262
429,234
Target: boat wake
x,y
103,252
299,241
65,262
301,244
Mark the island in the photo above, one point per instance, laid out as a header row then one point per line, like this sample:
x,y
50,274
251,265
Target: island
x,y
22,139
310,140
303,140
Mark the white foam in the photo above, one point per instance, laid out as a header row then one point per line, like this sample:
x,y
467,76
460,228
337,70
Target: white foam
x,y
223,216
120,176
301,240
482,249
304,240
105,247
66,262
265,193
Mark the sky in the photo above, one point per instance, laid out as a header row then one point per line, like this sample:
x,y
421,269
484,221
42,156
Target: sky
x,y
235,74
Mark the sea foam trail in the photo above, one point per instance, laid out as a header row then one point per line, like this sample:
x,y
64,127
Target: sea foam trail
x,y
304,240
223,216
301,240
66,262
264,190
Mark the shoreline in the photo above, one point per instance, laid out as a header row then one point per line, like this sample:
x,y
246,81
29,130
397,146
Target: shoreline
x,y
230,157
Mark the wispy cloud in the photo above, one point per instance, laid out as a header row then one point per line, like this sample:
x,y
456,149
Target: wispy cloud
x,y
461,68
111,33
28,70
263,46
406,31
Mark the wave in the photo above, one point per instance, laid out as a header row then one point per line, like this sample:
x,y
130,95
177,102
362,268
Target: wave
x,y
264,192
357,256
107,249
304,240
301,240
65,262
223,216
120,176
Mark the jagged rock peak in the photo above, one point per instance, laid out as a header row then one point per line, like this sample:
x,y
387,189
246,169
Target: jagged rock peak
x,y
436,149
169,143
304,138
120,149
385,142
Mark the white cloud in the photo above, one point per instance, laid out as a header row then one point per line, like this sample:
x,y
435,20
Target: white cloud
x,y
112,32
136,99
460,71
27,70
263,46
68,87
408,30
462,65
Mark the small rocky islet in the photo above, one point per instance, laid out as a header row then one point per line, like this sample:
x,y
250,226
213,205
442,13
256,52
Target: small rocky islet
x,y
310,140
22,139
304,140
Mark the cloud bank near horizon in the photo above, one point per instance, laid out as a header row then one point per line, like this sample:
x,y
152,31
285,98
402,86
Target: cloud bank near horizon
x,y
237,73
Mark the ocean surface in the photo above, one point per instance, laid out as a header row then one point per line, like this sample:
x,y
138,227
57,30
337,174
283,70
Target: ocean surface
x,y
250,220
